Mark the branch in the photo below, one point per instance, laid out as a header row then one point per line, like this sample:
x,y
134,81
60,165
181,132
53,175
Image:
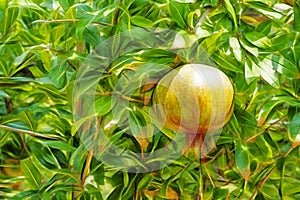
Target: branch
x,y
263,181
252,138
34,134
117,14
69,20
89,158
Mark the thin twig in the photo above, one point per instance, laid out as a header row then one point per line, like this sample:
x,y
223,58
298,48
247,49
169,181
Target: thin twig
x,y
87,167
116,17
89,156
264,180
5,34
251,139
35,134
70,20
109,93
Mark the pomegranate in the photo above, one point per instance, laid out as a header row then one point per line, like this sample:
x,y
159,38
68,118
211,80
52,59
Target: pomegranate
x,y
194,99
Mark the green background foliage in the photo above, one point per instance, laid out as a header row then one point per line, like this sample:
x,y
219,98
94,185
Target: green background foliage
x,y
42,46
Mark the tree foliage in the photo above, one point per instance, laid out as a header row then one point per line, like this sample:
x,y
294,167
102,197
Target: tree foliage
x,y
43,45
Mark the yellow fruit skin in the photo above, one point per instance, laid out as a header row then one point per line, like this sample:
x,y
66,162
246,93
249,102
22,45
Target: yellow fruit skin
x,y
193,98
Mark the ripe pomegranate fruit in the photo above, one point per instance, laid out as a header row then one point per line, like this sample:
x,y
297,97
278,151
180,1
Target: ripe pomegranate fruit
x,y
194,99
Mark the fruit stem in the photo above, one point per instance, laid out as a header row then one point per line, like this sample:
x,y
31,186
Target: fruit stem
x,y
194,143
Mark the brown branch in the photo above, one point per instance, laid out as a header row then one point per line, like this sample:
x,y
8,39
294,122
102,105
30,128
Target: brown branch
x,y
109,93
294,146
87,167
6,33
90,156
70,20
251,139
116,16
31,133
263,181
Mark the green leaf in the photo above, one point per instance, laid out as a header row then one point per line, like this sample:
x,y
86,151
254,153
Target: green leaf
x,y
10,16
271,104
157,53
296,16
3,5
57,33
103,105
177,12
249,47
65,4
211,43
129,190
190,18
220,193
24,194
137,122
58,71
258,39
59,145
262,150
92,35
31,173
28,118
94,191
270,192
294,128
252,71
4,137
227,63
44,155
99,174
236,48
145,182
212,3
268,73
141,21
242,158
265,27
265,9
232,13
78,157
284,66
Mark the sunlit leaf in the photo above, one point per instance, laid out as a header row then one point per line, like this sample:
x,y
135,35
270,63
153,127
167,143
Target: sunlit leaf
x,y
258,39
236,48
103,105
227,63
268,73
142,21
31,173
177,12
265,9
231,11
